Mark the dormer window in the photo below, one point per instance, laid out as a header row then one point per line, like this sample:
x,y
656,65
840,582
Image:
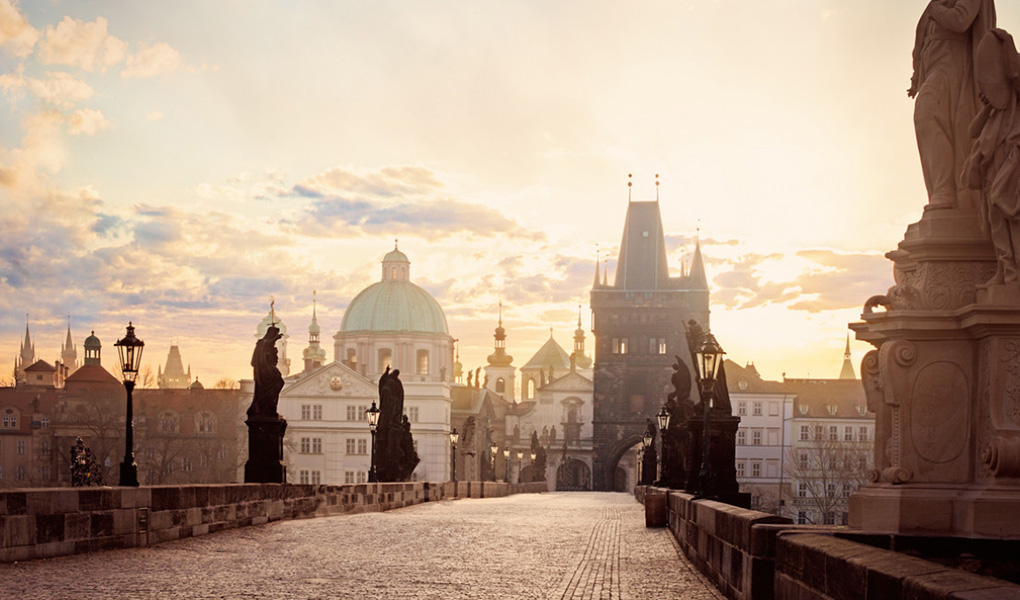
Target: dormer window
x,y
831,408
803,408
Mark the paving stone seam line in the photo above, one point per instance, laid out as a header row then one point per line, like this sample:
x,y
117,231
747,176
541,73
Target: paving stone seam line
x,y
590,570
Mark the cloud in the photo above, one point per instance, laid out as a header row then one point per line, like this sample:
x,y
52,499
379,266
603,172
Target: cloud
x,y
87,121
59,89
811,280
151,61
16,35
385,182
86,45
154,116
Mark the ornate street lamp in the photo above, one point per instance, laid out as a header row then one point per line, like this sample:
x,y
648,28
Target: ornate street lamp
x,y
493,448
708,358
520,464
130,350
662,419
506,464
454,436
373,424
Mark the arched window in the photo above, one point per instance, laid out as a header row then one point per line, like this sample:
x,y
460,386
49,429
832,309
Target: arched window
x,y
531,388
205,423
500,386
385,359
421,362
169,422
352,357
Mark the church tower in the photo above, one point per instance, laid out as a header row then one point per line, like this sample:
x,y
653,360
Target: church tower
x,y
92,351
500,370
578,358
314,355
638,324
847,372
25,357
68,355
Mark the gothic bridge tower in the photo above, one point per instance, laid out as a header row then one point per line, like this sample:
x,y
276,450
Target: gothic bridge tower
x,y
638,323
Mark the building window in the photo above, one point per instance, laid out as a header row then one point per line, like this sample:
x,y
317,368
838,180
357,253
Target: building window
x,y
421,362
362,476
352,357
223,452
316,477
9,422
186,464
348,476
862,434
616,347
662,345
862,462
742,408
623,346
203,460
805,433
830,517
830,491
756,408
205,423
306,445
316,445
21,446
362,446
304,477
848,434
740,468
1,472
317,412
21,472
802,460
44,422
833,433
801,517
819,433
306,412
500,386
844,519
168,423
412,413
741,437
756,468
652,348
349,445
530,390
44,448
802,490
756,437
385,358
773,409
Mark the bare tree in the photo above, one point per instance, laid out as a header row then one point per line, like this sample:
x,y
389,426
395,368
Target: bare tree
x,y
227,384
824,470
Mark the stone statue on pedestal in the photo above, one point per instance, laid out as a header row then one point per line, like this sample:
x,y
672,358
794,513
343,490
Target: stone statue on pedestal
x,y
266,427
395,457
948,32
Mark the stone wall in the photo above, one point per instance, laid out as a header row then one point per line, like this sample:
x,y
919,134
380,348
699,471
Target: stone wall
x,y
46,522
753,555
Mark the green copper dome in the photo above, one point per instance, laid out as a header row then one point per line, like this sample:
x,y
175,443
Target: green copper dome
x,y
394,305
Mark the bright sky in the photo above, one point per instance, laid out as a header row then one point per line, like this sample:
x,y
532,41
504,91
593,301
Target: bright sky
x,y
177,163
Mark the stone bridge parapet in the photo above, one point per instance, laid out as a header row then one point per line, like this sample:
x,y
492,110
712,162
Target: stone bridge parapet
x,y
47,522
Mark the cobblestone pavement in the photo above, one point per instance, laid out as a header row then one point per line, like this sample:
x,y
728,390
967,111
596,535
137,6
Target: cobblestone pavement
x,y
557,546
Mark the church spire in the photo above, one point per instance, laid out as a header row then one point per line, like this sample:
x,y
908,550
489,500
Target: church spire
x,y
848,367
578,357
596,284
314,355
698,278
499,357
68,355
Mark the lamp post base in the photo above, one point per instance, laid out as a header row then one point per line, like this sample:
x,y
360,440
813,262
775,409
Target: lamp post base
x,y
128,474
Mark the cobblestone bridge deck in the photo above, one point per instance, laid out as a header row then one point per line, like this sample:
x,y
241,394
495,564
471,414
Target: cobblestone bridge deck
x,y
557,545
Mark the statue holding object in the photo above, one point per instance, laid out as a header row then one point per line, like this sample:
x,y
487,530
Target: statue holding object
x,y
395,456
266,427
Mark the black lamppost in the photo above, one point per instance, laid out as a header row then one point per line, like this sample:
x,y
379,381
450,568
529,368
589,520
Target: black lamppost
x,y
493,448
533,455
373,424
506,464
520,464
646,441
453,454
662,420
709,357
130,350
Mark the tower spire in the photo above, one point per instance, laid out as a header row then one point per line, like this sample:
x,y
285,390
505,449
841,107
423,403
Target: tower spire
x,y
656,187
596,283
847,372
630,184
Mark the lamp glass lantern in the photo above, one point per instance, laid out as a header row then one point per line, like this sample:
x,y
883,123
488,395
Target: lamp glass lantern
x,y
646,441
454,436
130,350
373,416
533,454
520,455
663,419
709,357
506,453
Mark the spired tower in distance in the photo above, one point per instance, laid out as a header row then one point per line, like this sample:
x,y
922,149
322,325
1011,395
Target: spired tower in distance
x,y
638,323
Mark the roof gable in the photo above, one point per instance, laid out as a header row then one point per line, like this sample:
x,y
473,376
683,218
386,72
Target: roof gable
x,y
332,379
550,354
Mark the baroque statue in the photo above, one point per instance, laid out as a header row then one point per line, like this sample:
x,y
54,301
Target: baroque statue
x,y
395,457
268,380
994,164
947,36
266,428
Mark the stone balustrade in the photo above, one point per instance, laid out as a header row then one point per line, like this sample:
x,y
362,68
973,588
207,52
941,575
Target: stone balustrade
x,y
46,522
758,556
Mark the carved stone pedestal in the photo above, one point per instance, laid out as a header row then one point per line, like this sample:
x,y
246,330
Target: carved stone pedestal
x,y
265,451
722,455
944,384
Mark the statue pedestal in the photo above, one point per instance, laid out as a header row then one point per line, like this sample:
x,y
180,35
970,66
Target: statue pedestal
x,y
944,385
265,451
722,455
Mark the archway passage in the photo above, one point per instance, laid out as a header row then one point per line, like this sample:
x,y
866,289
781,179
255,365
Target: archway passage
x,y
619,469
573,476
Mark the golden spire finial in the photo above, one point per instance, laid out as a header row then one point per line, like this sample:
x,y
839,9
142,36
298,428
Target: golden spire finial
x,y
630,184
656,187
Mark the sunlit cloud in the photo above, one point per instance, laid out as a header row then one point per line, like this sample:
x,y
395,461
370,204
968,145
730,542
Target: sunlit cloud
x,y
87,121
85,45
154,116
151,61
16,35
